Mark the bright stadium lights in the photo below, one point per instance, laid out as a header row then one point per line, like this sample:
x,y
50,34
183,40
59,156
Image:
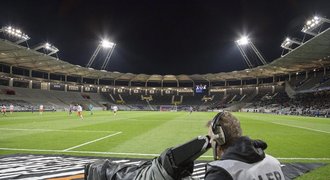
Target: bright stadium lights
x,y
51,49
243,41
106,44
313,25
244,44
288,43
15,33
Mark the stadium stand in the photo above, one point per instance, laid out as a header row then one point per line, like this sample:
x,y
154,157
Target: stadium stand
x,y
288,85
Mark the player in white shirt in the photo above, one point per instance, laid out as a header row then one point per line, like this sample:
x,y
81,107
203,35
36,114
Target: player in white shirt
x,y
3,109
11,108
79,111
41,109
115,109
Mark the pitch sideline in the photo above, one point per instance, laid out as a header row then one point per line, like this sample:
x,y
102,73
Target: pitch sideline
x,y
139,154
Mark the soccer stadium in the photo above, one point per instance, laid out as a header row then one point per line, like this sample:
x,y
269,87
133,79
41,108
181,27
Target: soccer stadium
x,y
285,102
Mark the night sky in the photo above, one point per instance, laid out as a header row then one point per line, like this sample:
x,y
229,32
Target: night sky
x,y
162,37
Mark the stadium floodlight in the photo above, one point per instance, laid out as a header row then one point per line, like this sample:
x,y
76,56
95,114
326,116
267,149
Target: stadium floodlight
x,y
243,43
48,47
312,24
15,33
106,44
288,42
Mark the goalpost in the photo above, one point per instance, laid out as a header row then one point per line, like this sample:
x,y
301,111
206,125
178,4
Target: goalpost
x,y
172,108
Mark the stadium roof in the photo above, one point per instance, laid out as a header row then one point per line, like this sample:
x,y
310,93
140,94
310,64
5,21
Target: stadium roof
x,y
314,53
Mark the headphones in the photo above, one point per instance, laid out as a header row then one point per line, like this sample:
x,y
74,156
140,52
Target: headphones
x,y
218,134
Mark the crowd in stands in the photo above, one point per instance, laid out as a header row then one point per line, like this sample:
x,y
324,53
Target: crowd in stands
x,y
265,99
306,104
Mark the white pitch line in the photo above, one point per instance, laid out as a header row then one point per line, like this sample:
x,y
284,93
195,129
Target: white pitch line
x,y
89,142
301,127
58,130
136,154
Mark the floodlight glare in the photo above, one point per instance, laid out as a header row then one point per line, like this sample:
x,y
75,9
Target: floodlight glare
x,y
107,44
288,43
312,24
243,41
16,33
103,44
49,47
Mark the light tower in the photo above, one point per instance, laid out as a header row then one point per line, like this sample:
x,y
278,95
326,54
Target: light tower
x,y
106,45
313,26
49,48
15,34
243,44
290,44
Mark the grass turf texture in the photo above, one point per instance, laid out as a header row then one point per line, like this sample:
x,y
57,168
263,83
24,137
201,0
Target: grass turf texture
x,y
146,134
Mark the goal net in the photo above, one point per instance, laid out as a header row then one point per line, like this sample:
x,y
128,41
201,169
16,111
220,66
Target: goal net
x,y
172,108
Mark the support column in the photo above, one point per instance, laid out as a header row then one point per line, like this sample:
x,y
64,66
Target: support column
x,y
66,88
274,79
30,73
65,78
48,76
257,81
81,89
289,76
98,90
324,71
30,84
10,70
306,77
257,90
11,82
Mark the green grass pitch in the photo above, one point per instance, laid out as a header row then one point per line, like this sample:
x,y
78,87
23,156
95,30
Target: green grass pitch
x,y
146,134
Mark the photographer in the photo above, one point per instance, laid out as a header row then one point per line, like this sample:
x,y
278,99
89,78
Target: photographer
x,y
236,157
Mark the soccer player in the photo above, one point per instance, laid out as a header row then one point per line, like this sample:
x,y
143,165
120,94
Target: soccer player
x,y
70,109
3,109
191,109
90,107
41,109
79,111
115,109
11,108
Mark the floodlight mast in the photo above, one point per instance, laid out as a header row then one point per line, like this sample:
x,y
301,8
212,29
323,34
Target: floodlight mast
x,y
16,33
288,42
103,44
91,60
313,24
106,61
245,41
49,47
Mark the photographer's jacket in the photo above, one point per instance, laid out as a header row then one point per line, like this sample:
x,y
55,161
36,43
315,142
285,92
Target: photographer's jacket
x,y
245,159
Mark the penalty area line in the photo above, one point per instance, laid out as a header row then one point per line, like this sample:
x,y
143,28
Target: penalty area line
x,y
89,142
138,154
